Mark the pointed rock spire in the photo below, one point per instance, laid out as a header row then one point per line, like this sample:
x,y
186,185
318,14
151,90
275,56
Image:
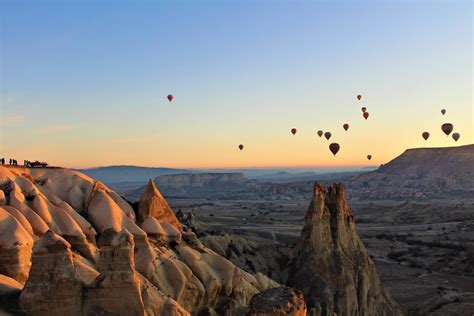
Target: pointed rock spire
x,y
153,205
332,266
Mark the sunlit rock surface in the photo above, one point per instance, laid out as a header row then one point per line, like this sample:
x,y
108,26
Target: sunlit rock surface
x,y
79,248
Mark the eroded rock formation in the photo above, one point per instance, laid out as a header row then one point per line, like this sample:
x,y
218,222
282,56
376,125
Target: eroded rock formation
x,y
71,246
53,287
83,250
155,215
331,265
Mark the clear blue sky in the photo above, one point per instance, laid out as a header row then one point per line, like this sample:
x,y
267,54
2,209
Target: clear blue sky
x,y
84,83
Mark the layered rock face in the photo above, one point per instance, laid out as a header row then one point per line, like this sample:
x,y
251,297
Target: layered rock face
x,y
81,249
54,286
120,287
201,180
421,173
331,265
204,184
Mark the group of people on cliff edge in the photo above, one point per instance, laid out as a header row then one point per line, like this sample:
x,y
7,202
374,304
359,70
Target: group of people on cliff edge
x,y
26,163
12,162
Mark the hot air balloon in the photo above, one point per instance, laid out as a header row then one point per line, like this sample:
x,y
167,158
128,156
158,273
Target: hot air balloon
x,y
345,126
456,136
366,115
170,97
359,97
363,109
425,135
369,157
241,146
327,135
320,133
443,111
293,131
447,128
334,148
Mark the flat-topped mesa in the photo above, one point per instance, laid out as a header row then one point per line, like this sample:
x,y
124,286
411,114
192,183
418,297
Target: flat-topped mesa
x,y
155,216
331,265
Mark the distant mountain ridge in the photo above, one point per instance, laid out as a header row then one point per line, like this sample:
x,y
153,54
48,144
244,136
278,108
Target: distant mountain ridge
x,y
432,162
124,173
129,176
419,172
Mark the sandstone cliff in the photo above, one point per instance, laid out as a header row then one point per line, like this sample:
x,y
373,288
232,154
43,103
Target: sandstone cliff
x,y
81,249
419,172
204,184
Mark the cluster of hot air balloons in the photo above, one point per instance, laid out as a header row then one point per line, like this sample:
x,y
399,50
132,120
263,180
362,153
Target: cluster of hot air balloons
x,y
327,134
335,147
447,128
365,114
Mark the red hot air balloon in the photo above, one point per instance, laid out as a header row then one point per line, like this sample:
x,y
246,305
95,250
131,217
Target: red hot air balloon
x,y
359,97
369,157
447,128
443,111
363,109
456,136
334,148
170,97
293,131
327,135
346,127
320,133
366,115
425,135
241,146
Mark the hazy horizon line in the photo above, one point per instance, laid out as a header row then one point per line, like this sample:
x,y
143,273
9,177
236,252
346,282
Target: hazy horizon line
x,y
235,168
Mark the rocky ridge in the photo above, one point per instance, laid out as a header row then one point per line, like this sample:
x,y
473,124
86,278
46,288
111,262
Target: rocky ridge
x,y
70,245
78,248
419,173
